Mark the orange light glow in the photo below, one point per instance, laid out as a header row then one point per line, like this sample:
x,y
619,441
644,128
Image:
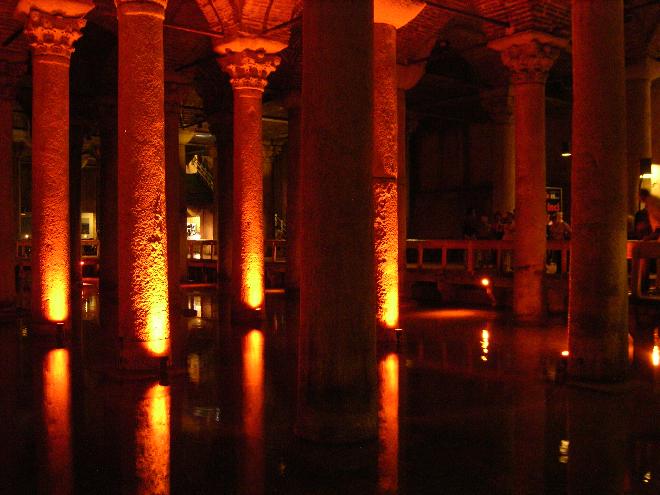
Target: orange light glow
x,y
386,245
253,407
158,329
564,353
153,441
57,418
655,356
253,285
389,423
485,282
485,344
56,295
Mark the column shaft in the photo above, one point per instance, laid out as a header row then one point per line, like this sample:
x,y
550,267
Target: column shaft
x,y
638,125
655,122
143,282
248,254
8,212
386,225
530,237
598,301
50,189
337,363
504,182
402,186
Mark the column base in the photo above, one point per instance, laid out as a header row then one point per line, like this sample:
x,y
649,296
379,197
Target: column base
x,y
389,336
336,428
530,320
134,358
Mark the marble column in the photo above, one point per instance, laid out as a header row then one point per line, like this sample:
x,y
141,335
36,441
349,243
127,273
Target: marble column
x,y
529,56
388,17
638,127
499,105
9,71
598,288
293,204
51,30
143,281
337,375
248,70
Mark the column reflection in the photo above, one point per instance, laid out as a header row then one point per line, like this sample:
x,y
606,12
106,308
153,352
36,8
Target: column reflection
x,y
57,420
388,458
152,439
253,411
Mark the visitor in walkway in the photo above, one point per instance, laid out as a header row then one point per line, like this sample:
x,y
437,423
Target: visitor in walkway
x,y
652,207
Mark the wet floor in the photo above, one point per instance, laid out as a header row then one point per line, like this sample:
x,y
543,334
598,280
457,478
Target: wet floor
x,y
468,404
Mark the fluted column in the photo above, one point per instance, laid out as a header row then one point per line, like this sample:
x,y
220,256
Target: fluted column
x,y
249,70
529,56
638,127
499,105
337,375
293,203
598,288
51,36
388,16
9,72
143,282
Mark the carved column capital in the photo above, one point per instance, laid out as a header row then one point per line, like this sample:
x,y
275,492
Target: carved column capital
x,y
529,56
53,35
249,69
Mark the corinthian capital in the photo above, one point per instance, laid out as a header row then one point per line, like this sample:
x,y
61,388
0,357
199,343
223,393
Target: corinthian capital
x,y
53,34
529,56
249,69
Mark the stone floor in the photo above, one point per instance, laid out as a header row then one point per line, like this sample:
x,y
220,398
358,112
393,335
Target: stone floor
x,y
469,404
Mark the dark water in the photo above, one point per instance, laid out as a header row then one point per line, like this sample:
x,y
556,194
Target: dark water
x,y
468,405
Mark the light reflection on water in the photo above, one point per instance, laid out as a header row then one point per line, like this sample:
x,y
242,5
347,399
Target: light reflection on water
x,y
388,458
152,439
253,411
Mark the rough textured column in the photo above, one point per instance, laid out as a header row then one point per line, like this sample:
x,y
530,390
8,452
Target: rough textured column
x,y
598,299
388,16
51,37
143,285
529,56
293,203
638,127
248,70
655,120
8,214
499,105
338,400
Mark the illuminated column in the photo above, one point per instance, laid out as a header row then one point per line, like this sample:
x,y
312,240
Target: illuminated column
x,y
51,29
293,204
499,105
638,127
655,120
8,228
143,284
248,70
598,288
529,56
408,76
338,390
388,17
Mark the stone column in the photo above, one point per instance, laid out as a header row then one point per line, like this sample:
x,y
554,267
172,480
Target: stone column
x,y
638,127
598,294
407,77
51,35
248,70
338,391
655,121
9,72
499,105
293,202
529,56
143,283
388,17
